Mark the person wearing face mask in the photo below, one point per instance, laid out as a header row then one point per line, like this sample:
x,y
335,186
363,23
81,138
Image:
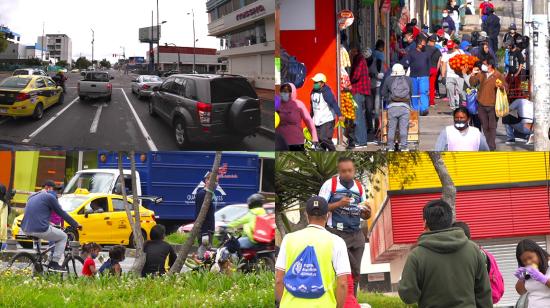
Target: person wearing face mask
x,y
512,35
483,6
533,273
516,65
454,12
483,52
460,136
453,82
418,61
361,88
488,81
36,221
435,66
451,27
292,113
491,25
324,110
90,251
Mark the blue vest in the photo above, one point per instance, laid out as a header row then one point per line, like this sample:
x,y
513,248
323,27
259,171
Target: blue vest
x,y
346,218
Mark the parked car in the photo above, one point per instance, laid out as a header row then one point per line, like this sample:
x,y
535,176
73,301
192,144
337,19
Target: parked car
x,y
110,225
95,85
170,73
207,108
228,214
28,95
83,73
29,71
75,70
144,84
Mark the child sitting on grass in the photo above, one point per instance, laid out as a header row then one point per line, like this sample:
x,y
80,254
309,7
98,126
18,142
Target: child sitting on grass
x,y
91,251
117,254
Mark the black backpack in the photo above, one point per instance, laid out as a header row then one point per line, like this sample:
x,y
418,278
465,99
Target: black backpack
x,y
292,71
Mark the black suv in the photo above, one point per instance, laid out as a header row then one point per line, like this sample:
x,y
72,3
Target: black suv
x,y
207,108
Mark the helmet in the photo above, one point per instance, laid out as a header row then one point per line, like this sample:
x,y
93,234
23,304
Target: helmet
x,y
255,200
512,27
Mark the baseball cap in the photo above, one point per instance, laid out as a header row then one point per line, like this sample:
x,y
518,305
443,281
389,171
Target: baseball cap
x,y
512,26
316,206
440,32
432,38
319,77
451,44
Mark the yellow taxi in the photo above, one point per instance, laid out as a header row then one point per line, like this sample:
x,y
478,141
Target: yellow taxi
x,y
102,216
28,95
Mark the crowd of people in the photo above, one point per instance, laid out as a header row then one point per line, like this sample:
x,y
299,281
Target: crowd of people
x,y
420,65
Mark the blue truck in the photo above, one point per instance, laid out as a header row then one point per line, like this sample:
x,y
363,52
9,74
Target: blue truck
x,y
175,177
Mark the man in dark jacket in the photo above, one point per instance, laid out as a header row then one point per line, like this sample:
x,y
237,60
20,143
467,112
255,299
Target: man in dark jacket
x,y
491,25
209,225
445,269
36,221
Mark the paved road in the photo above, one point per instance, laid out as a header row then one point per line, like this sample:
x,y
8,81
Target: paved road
x,y
122,124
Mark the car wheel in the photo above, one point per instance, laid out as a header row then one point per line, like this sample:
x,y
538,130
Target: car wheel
x,y
151,108
81,97
109,98
38,111
180,133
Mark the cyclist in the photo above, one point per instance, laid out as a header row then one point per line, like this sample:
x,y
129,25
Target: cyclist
x,y
36,221
60,79
248,221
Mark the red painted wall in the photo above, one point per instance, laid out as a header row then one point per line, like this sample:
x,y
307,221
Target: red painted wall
x,y
315,48
494,213
5,167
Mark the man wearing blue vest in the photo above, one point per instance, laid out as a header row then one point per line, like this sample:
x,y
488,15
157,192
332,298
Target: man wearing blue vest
x,y
330,251
347,206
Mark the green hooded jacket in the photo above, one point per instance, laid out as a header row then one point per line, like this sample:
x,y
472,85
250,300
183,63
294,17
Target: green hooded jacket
x,y
445,270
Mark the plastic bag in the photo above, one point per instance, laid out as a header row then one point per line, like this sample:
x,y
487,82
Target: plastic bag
x,y
471,101
501,106
303,279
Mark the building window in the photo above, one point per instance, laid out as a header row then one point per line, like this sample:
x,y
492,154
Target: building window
x,y
58,40
236,4
247,2
252,35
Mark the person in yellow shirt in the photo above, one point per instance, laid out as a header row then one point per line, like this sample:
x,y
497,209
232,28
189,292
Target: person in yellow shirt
x,y
248,221
330,251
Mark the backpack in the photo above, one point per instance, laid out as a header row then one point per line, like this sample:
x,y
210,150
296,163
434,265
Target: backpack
x,y
495,277
303,279
335,183
264,230
400,89
291,70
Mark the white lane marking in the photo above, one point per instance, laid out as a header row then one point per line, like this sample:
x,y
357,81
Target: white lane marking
x,y
146,135
93,128
41,128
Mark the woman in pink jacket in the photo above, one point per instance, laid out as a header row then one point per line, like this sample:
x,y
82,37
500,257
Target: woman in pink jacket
x,y
292,112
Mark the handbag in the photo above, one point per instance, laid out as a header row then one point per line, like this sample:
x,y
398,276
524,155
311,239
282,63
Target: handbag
x,y
501,106
471,101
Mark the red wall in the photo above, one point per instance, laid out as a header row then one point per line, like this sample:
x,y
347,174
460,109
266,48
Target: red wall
x,y
315,48
506,212
5,167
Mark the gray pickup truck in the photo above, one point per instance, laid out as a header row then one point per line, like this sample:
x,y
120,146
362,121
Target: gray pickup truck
x,y
95,85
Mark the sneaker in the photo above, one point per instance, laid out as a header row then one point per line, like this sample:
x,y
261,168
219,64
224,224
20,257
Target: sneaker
x,y
511,141
404,149
531,139
55,267
350,147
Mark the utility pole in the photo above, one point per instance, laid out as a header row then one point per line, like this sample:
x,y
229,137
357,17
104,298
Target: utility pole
x,y
42,47
93,39
194,41
540,79
158,36
151,52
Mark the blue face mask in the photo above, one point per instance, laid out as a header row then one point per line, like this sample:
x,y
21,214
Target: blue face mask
x,y
285,97
93,255
53,193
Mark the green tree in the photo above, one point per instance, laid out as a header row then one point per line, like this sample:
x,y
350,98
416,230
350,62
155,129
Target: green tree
x,y
3,43
105,63
62,63
33,62
82,63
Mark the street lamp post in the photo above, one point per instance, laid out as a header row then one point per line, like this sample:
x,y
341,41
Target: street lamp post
x,y
178,55
194,40
93,39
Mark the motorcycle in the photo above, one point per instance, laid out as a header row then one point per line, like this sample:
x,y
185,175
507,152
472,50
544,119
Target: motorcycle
x,y
260,257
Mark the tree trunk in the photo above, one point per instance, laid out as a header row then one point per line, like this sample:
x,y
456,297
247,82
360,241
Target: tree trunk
x,y
281,224
184,251
303,220
139,260
449,189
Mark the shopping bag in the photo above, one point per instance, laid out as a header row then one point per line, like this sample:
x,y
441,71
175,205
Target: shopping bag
x,y
303,279
501,106
471,101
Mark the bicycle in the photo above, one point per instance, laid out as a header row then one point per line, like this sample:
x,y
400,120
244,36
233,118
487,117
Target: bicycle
x,y
37,263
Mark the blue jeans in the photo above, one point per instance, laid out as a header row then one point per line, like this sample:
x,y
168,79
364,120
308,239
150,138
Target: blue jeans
x,y
516,128
360,120
245,242
421,87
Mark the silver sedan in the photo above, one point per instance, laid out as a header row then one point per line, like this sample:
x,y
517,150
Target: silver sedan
x,y
143,85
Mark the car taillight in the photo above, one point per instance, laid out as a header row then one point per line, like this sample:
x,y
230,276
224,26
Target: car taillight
x,y
205,112
153,217
78,87
22,96
109,86
145,87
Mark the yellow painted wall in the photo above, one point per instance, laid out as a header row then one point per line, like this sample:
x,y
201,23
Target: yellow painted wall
x,y
475,168
378,189
26,166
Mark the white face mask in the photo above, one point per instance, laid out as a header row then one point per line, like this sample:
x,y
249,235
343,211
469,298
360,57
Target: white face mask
x,y
445,15
285,97
512,31
484,68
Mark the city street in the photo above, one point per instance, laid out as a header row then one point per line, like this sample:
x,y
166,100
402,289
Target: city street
x,y
122,124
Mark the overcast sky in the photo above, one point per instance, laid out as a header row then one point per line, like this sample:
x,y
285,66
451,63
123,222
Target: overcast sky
x,y
115,22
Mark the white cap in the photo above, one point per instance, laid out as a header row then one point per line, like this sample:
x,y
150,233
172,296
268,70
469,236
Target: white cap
x,y
319,77
397,70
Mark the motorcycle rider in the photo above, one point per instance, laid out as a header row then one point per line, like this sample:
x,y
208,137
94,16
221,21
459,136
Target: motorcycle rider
x,y
248,221
60,79
36,221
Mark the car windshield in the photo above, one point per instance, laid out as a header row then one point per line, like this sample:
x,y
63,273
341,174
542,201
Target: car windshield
x,y
230,213
93,182
151,79
97,77
69,204
229,89
20,72
15,83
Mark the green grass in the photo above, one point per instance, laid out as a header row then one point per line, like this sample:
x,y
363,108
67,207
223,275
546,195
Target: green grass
x,y
184,290
180,238
377,300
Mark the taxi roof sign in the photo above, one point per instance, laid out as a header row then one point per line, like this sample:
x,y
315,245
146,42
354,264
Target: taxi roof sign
x,y
81,191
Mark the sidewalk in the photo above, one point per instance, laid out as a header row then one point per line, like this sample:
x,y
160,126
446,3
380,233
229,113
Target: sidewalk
x,y
268,109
